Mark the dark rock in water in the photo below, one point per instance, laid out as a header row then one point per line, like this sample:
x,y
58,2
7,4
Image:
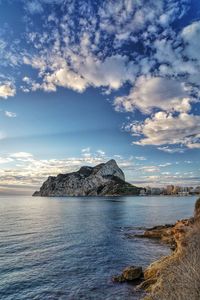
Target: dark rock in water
x,y
105,179
131,273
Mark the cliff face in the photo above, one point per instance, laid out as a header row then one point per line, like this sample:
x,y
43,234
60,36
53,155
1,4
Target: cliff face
x,y
103,179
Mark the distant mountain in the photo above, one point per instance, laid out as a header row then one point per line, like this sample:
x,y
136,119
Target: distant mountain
x,y
105,179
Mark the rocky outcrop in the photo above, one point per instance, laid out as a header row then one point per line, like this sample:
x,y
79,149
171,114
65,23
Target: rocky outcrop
x,y
103,179
131,273
167,233
176,276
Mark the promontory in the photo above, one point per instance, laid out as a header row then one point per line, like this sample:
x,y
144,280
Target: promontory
x,y
105,179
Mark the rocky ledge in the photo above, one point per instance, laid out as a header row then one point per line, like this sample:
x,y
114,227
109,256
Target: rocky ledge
x,y
177,275
166,233
105,179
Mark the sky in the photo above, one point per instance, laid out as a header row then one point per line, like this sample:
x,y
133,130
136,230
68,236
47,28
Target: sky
x,y
82,82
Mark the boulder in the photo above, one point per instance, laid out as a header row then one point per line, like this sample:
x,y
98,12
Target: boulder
x,y
129,274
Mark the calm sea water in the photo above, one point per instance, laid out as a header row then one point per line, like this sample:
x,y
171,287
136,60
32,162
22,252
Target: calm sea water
x,y
69,248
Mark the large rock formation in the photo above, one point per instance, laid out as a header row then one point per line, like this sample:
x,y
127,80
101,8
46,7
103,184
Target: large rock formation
x,y
103,179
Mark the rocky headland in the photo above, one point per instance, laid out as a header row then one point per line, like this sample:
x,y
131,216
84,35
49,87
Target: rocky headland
x,y
176,276
105,179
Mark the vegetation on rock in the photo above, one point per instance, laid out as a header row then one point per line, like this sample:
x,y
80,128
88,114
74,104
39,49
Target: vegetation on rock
x,y
177,276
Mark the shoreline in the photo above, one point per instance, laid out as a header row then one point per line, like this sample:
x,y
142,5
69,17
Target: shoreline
x,y
175,276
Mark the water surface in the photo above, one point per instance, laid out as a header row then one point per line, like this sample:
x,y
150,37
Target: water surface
x,y
69,248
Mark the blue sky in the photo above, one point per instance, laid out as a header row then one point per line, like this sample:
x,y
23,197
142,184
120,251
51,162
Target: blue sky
x,y
85,81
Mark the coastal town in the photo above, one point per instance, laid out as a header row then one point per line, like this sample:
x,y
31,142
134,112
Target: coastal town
x,y
170,190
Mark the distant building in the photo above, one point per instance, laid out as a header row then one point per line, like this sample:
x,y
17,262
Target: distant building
x,y
169,189
176,190
143,192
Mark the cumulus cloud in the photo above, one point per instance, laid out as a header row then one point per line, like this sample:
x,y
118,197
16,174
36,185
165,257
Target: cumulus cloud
x,y
112,72
109,45
72,56
66,78
165,128
7,90
191,37
155,92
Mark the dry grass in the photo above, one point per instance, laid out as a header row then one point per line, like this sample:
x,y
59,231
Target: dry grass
x,y
180,280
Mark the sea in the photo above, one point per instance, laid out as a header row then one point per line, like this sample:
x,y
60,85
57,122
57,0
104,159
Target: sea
x,y
69,248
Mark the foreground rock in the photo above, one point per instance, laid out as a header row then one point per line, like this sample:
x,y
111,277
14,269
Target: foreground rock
x,y
176,276
101,180
131,273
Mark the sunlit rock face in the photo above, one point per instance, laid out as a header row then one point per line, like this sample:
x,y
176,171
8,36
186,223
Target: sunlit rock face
x,y
103,179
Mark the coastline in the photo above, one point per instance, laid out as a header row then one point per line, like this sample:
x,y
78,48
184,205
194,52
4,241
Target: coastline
x,y
175,276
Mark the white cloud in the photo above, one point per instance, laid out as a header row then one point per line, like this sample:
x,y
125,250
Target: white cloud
x,y
167,149
33,6
191,37
140,158
113,72
4,160
126,18
7,90
66,78
164,128
84,150
188,161
162,66
155,92
10,114
150,169
89,70
21,155
101,152
87,153
165,165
